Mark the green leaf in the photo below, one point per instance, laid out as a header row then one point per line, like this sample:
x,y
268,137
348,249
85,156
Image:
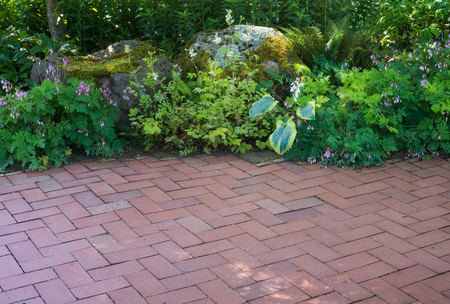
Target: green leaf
x,y
302,69
3,57
307,112
262,106
12,44
19,54
37,48
25,67
283,137
45,39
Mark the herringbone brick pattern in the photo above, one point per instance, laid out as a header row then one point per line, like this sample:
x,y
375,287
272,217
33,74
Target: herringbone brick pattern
x,y
222,230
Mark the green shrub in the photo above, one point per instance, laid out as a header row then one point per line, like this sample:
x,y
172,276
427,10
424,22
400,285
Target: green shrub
x,y
39,127
15,65
27,15
364,115
210,112
399,23
339,134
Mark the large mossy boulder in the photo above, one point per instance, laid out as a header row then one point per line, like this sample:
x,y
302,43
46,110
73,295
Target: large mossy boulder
x,y
274,51
110,68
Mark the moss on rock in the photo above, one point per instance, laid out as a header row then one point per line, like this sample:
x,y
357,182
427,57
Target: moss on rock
x,y
275,52
91,68
278,49
201,62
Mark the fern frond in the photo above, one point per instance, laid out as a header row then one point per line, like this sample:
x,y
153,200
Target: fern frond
x,y
335,31
307,40
338,43
334,35
167,47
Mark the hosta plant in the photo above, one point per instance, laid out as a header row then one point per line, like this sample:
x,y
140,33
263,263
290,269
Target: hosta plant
x,y
285,132
15,66
48,46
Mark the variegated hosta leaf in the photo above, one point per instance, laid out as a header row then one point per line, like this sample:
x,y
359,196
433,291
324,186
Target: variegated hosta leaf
x,y
262,106
308,112
283,137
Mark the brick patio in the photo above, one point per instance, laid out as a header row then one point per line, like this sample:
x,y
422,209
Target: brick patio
x,y
222,230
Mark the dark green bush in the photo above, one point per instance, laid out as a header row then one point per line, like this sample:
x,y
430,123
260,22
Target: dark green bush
x,y
96,24
15,65
27,15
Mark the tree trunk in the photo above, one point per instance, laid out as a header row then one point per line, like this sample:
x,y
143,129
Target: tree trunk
x,y
57,32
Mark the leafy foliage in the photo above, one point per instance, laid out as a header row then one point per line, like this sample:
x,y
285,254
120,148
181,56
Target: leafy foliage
x,y
40,126
345,116
29,15
208,113
95,24
49,46
338,43
401,23
400,105
15,66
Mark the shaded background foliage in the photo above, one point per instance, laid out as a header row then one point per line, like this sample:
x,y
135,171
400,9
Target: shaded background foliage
x,y
98,23
28,15
169,24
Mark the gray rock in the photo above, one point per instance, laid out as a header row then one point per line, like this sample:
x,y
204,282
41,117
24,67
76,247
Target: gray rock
x,y
245,37
48,69
119,83
274,51
116,48
227,54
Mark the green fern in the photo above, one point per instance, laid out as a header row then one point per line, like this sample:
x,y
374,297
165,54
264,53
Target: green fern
x,y
337,43
167,48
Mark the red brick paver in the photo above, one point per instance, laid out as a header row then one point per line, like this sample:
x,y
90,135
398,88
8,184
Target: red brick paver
x,y
221,230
